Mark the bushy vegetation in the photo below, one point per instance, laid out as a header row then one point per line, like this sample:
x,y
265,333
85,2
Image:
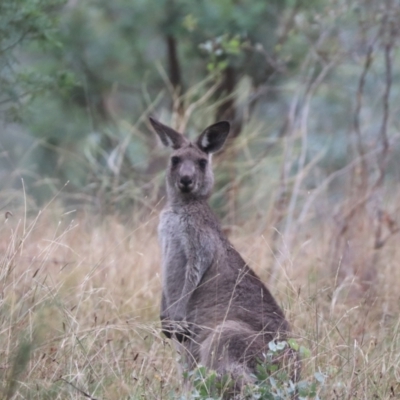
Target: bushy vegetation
x,y
307,187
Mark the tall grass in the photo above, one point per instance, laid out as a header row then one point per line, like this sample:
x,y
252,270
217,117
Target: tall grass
x,y
79,298
78,308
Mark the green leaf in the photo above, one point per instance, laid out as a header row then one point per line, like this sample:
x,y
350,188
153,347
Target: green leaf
x,y
293,344
304,352
320,377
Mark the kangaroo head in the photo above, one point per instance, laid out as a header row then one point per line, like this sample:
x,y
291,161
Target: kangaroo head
x,y
189,173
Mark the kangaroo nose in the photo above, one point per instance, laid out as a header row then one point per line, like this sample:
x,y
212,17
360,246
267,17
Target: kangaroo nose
x,y
186,180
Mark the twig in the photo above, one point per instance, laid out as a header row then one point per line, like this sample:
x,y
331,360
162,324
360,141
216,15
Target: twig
x,y
383,131
360,92
383,137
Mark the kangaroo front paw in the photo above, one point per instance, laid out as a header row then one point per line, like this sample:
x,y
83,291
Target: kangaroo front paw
x,y
180,330
166,326
167,332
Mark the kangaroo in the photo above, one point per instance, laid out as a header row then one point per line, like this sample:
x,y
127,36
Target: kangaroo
x,y
212,302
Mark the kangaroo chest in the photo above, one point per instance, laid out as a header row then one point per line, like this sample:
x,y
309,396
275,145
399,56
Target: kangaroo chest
x,y
172,236
188,249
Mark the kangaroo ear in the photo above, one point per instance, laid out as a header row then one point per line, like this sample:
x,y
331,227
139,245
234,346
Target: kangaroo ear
x,y
168,136
213,138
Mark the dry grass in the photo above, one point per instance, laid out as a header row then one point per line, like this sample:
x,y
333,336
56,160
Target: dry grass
x,y
79,302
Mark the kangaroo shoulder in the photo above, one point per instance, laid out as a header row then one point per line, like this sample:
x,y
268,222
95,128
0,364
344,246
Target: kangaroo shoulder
x,y
168,220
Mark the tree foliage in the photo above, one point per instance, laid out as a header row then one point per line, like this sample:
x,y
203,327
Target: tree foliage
x,y
22,23
95,69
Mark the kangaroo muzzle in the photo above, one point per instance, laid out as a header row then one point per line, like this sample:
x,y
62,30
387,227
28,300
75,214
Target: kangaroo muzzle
x,y
186,181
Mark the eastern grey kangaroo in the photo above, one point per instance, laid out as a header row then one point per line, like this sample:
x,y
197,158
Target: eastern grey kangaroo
x,y
212,302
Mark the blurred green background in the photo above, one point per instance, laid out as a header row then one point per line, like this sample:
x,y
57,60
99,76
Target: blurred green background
x,y
309,86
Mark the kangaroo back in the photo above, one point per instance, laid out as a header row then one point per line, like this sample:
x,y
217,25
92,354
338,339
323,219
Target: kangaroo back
x,y
212,302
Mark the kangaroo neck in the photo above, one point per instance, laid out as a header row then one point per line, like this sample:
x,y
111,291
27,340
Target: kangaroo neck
x,y
179,199
187,200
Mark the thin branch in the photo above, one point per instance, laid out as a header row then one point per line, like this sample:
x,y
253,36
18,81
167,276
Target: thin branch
x,y
383,136
18,41
288,24
383,131
82,392
381,242
360,92
18,97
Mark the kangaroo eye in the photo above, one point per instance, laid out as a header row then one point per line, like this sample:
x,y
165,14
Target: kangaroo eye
x,y
203,163
175,161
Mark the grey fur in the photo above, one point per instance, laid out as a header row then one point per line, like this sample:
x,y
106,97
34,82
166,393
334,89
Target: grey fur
x,y
212,301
